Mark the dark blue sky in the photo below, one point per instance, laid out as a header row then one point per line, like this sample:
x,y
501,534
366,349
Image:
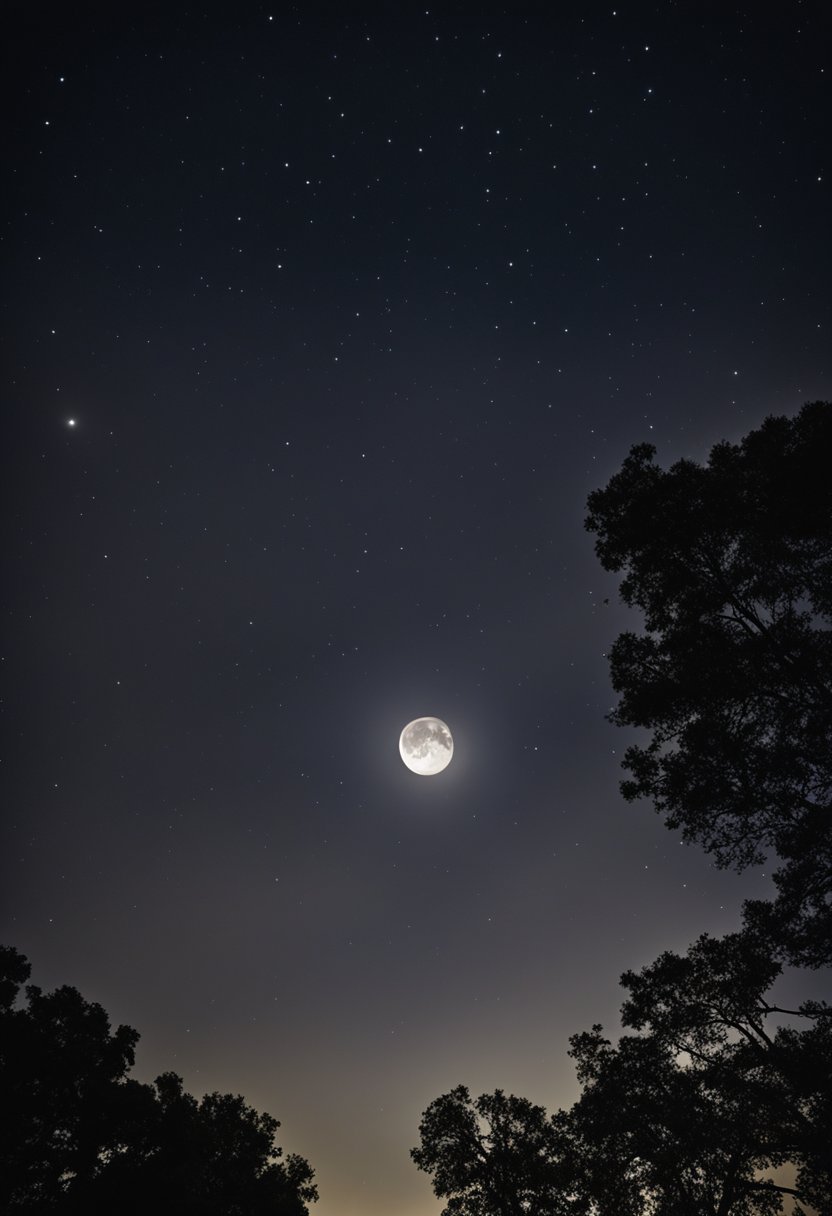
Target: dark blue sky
x,y
350,309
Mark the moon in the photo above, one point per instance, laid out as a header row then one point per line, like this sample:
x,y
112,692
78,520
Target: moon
x,y
426,746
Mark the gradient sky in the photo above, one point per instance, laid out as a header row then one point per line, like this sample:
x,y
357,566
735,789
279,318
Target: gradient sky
x,y
320,324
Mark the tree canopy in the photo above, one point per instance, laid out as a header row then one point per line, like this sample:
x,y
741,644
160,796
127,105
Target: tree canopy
x,y
496,1155
718,1088
731,566
77,1135
692,1114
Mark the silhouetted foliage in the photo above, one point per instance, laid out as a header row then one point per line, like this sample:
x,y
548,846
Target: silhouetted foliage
x,y
731,566
683,1116
691,1115
78,1136
495,1155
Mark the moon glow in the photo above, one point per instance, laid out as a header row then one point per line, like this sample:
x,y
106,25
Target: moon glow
x,y
426,746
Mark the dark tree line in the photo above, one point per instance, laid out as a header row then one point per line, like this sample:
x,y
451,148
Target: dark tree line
x,y
79,1136
712,1088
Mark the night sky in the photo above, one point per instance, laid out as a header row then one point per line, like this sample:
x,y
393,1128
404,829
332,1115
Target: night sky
x,y
319,326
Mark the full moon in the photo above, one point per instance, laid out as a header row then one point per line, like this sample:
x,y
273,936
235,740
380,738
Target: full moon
x,y
426,746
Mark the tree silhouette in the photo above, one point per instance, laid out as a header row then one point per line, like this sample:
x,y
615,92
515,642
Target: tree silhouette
x,y
731,567
495,1155
62,1080
77,1135
697,1111
691,1115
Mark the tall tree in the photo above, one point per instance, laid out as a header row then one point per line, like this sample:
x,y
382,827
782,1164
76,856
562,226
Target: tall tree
x,y
731,566
77,1135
